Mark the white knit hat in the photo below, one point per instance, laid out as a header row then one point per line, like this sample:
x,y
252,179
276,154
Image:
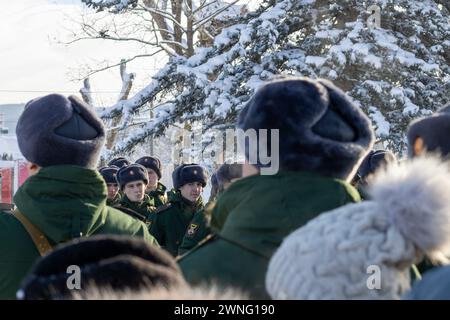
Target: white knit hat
x,y
365,250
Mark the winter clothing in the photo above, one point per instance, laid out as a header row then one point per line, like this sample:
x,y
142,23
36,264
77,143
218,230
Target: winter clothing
x,y
214,188
109,174
376,159
158,196
106,262
198,229
251,219
55,130
151,163
63,202
172,220
187,173
434,132
133,172
320,129
114,202
146,208
365,250
228,172
119,162
435,285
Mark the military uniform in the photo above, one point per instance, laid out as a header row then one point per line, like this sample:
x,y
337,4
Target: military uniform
x,y
64,202
145,209
172,220
114,202
159,195
251,219
198,229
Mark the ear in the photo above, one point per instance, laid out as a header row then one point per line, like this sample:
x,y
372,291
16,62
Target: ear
x,y
418,147
33,168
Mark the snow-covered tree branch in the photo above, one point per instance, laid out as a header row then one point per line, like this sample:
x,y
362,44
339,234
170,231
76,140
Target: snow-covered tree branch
x,y
395,71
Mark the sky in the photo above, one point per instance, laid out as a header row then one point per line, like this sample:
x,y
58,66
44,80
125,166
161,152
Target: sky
x,y
34,62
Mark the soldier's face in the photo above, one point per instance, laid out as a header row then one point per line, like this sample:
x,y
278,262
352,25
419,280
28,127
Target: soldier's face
x,y
113,188
152,179
135,191
191,191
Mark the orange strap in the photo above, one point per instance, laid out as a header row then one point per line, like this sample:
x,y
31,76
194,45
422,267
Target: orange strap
x,y
39,239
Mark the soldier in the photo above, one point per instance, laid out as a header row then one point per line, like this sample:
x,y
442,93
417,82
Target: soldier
x,y
155,189
65,196
322,139
109,174
119,162
199,227
172,219
375,160
133,180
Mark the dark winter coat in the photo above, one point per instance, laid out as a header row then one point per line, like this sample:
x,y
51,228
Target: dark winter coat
x,y
159,195
172,220
252,217
63,202
146,208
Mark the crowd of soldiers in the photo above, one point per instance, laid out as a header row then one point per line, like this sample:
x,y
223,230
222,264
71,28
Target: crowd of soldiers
x,y
335,208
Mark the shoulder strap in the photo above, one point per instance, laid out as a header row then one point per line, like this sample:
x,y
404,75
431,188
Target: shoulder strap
x,y
39,239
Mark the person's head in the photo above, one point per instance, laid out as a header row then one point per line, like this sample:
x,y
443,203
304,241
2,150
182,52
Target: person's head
x,y
55,130
227,174
190,179
109,174
154,170
110,263
375,160
430,134
133,180
119,162
320,129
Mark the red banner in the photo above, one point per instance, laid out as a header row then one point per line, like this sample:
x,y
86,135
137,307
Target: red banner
x,y
6,184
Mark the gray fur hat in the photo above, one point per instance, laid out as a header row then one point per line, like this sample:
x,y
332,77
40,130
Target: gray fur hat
x,y
227,172
434,131
55,130
320,129
119,162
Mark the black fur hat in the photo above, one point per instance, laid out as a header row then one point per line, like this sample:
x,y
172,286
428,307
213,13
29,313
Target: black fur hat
x,y
109,174
187,173
151,163
434,131
105,262
119,162
320,129
375,160
55,130
133,172
227,172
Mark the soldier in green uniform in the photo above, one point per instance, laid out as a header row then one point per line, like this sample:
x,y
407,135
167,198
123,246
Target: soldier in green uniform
x,y
65,197
133,180
199,227
109,174
155,189
173,219
322,138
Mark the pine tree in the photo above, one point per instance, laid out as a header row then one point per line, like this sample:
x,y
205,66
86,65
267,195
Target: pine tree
x,y
395,69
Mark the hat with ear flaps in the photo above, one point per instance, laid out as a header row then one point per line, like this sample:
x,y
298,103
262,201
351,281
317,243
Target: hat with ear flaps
x,y
55,130
430,133
320,129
